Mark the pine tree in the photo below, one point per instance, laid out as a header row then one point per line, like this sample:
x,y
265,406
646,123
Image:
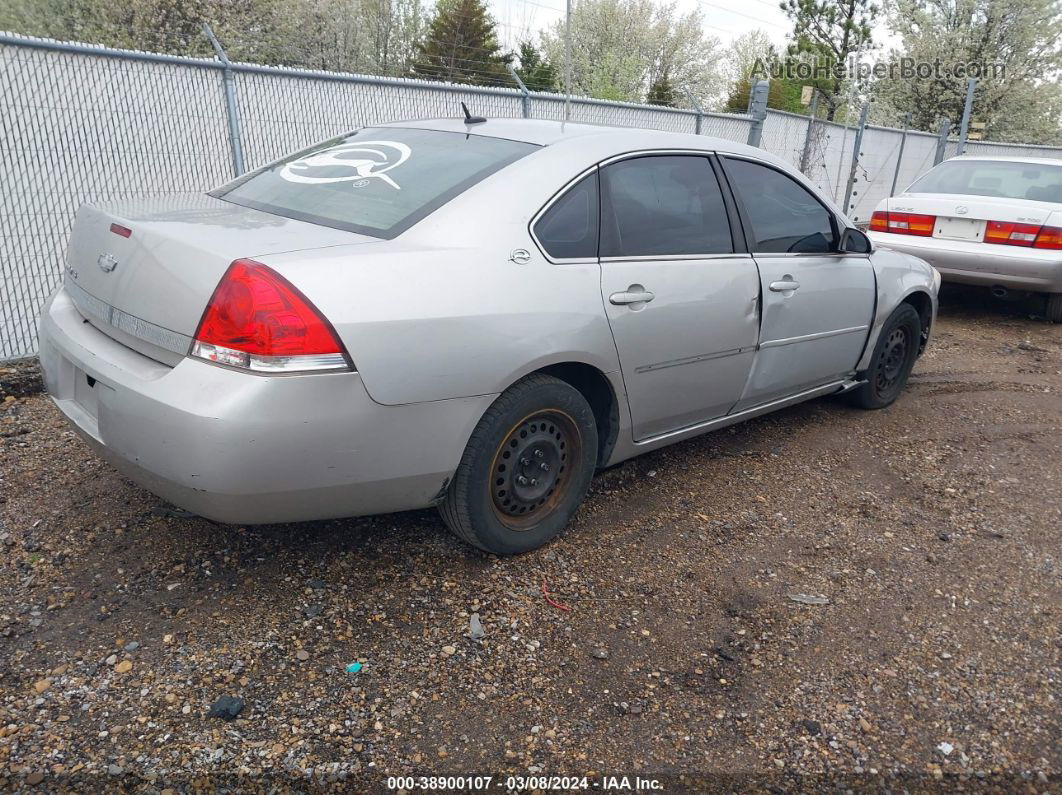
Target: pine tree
x,y
661,92
537,73
828,33
461,46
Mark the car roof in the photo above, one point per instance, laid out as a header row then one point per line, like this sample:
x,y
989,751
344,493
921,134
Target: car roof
x,y
1043,161
546,132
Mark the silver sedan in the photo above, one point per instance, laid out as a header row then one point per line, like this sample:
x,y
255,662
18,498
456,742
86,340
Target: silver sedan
x,y
474,316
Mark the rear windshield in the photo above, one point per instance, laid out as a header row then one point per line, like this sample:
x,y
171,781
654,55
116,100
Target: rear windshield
x,y
376,181
996,178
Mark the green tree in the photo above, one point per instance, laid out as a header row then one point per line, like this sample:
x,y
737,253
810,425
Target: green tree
x,y
752,57
461,46
537,73
828,33
1016,47
621,48
661,92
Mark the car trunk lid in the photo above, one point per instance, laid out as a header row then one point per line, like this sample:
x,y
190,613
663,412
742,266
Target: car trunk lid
x,y
142,271
964,217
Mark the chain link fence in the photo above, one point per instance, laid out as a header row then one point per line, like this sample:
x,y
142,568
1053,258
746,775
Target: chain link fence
x,y
84,123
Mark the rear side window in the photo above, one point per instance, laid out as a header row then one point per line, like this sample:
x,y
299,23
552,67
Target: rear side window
x,y
568,228
376,181
661,206
785,216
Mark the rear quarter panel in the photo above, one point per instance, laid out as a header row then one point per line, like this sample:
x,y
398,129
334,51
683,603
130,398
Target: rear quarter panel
x,y
442,312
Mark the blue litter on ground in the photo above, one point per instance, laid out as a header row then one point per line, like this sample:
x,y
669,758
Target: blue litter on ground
x,y
353,668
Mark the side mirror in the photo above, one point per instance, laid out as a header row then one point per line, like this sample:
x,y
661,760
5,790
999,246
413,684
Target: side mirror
x,y
855,242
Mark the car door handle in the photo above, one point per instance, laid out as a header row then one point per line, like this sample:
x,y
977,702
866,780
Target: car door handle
x,y
635,294
786,285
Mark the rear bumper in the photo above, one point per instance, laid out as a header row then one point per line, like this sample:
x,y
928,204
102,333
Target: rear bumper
x,y
984,264
249,449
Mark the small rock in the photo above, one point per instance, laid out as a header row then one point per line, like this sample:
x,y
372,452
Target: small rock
x,y
112,659
132,645
35,778
125,666
864,724
943,536
226,708
41,685
808,599
302,655
945,748
813,727
449,650
599,654
475,627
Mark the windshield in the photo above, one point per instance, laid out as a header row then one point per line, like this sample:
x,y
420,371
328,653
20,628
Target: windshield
x,y
996,178
376,181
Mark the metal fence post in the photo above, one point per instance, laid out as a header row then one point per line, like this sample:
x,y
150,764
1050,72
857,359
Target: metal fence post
x,y
525,100
700,111
758,111
942,140
964,126
230,101
855,156
899,155
805,156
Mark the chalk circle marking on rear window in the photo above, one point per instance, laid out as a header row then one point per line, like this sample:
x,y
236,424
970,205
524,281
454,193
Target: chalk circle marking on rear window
x,y
374,181
362,161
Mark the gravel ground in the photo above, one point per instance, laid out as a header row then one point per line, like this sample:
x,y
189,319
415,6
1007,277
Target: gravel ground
x,y
820,598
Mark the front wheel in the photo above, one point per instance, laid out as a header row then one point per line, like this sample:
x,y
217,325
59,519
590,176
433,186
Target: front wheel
x,y
526,469
894,356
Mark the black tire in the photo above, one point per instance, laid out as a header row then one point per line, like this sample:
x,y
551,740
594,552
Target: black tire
x,y
894,356
526,468
1054,307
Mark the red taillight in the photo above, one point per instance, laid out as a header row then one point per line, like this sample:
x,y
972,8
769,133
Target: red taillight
x,y
902,223
124,231
259,321
1049,237
1011,234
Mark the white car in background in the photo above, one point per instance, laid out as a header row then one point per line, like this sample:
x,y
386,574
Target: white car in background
x,y
990,221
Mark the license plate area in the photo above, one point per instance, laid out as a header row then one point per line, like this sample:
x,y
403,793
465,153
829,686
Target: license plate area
x,y
958,228
87,393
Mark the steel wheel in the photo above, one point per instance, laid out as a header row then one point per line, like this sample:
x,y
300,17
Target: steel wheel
x,y
894,356
893,359
530,466
526,468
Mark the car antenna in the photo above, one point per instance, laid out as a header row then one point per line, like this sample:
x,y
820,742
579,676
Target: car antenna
x,y
469,118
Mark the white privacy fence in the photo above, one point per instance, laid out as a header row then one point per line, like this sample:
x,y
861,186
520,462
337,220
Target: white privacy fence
x,y
83,123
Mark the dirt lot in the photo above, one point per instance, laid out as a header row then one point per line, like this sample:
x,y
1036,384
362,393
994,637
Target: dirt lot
x,y
932,529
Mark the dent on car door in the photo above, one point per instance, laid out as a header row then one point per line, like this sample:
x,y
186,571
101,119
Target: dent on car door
x,y
679,295
817,301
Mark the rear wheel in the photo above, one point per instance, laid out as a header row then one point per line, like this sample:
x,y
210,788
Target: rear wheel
x,y
894,356
526,469
1054,307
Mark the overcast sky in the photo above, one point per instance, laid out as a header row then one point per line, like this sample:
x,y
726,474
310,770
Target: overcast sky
x,y
724,19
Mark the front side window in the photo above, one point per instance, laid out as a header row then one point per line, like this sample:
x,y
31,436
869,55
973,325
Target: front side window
x,y
785,216
998,179
376,181
568,229
662,206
